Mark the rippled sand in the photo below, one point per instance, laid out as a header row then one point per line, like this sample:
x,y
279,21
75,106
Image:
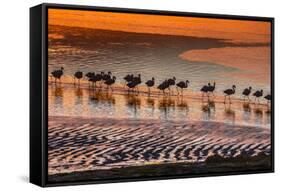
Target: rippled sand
x,y
80,144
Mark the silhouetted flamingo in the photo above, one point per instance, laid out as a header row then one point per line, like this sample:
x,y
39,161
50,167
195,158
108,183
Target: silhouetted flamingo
x,y
57,74
137,80
247,92
205,90
171,82
107,76
94,78
109,82
78,75
132,85
99,77
258,94
128,78
229,92
212,88
90,75
182,85
164,85
268,98
150,83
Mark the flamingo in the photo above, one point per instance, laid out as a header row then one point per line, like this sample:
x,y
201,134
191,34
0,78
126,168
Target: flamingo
x,y
229,92
94,78
99,77
258,94
171,82
90,75
57,74
205,90
182,85
109,82
247,92
107,76
212,88
164,85
150,83
137,81
268,98
132,85
78,75
128,78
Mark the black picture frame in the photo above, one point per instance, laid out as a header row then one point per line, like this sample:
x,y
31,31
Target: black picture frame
x,y
39,85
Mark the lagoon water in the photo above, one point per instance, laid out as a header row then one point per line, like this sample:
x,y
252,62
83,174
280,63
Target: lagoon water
x,y
67,100
150,55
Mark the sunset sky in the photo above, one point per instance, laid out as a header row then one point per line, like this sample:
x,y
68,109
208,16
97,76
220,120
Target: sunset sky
x,y
234,30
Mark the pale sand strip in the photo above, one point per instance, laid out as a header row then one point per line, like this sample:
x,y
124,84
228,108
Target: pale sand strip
x,y
80,144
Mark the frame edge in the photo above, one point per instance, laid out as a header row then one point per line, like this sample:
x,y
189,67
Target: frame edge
x,y
35,96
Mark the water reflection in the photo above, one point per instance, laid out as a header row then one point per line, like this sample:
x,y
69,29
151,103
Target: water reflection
x,y
150,105
133,103
150,102
229,114
166,105
78,95
57,92
258,115
246,111
101,97
208,110
182,105
78,101
78,92
267,116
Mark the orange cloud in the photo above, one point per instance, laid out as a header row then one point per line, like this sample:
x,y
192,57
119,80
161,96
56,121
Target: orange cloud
x,y
232,30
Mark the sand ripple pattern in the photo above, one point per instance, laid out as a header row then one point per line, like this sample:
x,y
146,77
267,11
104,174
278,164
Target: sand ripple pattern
x,y
78,144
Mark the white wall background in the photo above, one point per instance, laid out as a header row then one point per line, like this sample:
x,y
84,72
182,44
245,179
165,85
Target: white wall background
x,y
14,94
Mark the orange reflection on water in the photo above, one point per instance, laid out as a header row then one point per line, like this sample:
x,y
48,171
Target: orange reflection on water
x,y
69,100
253,61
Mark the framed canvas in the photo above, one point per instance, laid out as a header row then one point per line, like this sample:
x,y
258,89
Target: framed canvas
x,y
128,95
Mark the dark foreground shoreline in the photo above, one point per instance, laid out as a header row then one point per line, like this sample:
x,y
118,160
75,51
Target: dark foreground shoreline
x,y
214,164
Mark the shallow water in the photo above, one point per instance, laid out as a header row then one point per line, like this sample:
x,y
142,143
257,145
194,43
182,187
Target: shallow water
x,y
67,100
150,55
